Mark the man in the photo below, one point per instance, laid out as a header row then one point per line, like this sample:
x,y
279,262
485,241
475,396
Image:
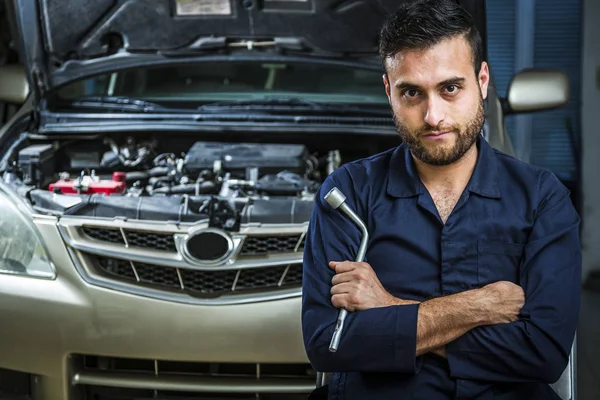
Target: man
x,y
470,287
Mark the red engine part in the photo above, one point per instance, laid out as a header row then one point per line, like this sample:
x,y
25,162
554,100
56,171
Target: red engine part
x,y
90,184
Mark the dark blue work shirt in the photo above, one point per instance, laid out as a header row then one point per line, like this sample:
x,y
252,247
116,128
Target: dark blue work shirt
x,y
514,222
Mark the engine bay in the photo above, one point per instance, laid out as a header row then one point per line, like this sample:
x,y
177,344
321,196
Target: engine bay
x,y
228,180
225,169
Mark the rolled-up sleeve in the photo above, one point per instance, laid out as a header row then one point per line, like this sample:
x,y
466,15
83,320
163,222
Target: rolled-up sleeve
x,y
380,339
537,346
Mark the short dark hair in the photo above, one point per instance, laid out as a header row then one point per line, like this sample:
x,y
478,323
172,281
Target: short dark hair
x,y
420,24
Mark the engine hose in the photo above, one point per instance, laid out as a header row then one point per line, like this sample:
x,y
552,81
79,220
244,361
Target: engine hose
x,y
159,171
137,176
189,188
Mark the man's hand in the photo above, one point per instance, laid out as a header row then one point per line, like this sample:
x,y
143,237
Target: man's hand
x,y
501,302
356,287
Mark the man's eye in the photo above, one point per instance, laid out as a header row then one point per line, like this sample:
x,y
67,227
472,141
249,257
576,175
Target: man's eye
x,y
411,93
452,88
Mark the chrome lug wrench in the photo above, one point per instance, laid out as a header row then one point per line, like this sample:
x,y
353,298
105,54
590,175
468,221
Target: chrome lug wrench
x,y
337,200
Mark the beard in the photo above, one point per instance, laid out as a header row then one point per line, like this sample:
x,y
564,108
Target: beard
x,y
466,136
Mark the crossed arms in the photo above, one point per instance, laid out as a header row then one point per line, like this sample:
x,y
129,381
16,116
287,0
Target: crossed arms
x,y
501,332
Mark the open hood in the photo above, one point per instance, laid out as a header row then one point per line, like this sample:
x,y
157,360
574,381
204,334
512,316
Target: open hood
x,y
66,40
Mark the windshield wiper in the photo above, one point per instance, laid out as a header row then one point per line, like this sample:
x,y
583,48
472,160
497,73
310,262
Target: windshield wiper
x,y
290,104
120,103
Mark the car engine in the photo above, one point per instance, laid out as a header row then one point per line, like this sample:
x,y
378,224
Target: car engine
x,y
224,169
229,183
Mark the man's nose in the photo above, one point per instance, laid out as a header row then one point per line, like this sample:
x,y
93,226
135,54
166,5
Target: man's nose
x,y
435,111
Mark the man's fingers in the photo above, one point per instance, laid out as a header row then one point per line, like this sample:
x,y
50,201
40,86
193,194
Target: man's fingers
x,y
342,301
342,288
338,300
344,266
349,276
339,266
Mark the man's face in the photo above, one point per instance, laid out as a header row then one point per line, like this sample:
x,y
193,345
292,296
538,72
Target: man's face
x,y
437,100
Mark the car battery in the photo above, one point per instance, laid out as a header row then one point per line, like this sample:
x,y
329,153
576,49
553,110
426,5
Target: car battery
x,y
90,184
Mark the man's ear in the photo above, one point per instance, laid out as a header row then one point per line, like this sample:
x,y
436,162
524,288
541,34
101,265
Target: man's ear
x,y
484,79
388,89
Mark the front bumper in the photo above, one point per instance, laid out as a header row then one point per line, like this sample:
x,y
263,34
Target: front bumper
x,y
49,326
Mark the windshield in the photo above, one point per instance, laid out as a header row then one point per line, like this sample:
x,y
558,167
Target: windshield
x,y
236,81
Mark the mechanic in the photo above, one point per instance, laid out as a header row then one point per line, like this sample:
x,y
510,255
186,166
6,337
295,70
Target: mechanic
x,y
471,283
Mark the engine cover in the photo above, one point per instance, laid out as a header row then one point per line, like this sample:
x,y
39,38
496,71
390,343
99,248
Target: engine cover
x,y
268,158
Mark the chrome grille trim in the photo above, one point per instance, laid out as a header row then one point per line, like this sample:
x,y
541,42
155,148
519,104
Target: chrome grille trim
x,y
72,232
174,260
252,245
193,384
180,279
284,275
240,298
124,237
198,283
162,274
237,277
152,366
300,242
196,377
137,277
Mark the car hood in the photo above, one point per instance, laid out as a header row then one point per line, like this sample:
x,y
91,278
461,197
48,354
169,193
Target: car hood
x,y
67,40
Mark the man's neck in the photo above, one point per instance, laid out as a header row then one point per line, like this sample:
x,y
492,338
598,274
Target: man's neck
x,y
454,176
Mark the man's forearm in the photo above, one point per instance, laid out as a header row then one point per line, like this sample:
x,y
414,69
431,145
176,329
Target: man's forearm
x,y
444,319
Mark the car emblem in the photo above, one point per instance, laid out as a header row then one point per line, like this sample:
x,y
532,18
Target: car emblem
x,y
208,246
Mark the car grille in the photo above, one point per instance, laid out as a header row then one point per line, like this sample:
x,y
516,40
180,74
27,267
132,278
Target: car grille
x,y
146,259
150,240
252,246
146,240
104,234
290,381
200,283
159,367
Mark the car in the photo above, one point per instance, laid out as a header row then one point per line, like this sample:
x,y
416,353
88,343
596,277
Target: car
x,y
158,179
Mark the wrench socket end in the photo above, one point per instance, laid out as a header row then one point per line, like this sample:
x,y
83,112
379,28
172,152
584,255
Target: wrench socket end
x,y
335,198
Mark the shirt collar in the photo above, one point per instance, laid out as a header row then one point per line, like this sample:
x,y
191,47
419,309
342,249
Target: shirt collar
x,y
404,181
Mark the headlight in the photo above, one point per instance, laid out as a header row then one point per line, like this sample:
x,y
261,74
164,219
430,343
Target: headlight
x,y
21,248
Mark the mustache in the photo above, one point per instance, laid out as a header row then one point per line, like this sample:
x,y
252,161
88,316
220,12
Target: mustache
x,y
427,129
